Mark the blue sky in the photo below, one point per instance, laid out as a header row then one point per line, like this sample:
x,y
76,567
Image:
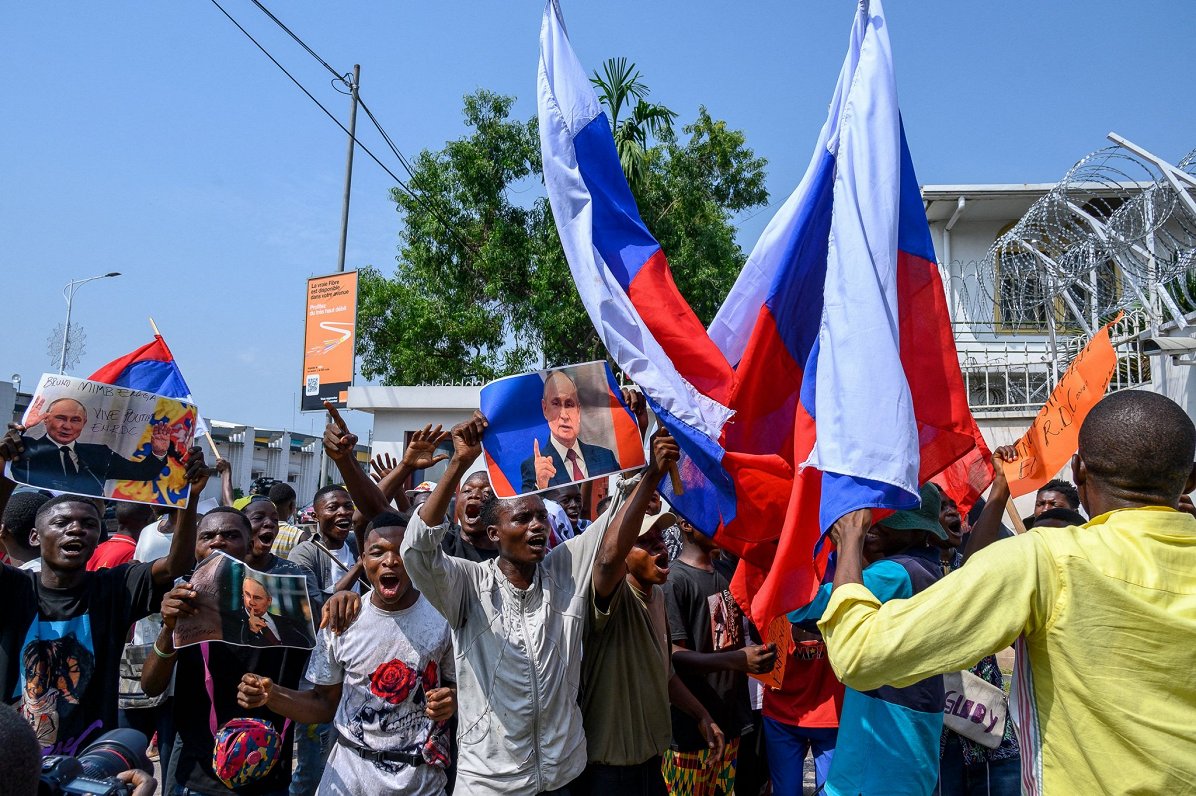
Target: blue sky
x,y
155,140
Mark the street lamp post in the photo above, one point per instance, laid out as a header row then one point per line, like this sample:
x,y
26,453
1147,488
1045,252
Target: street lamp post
x,y
68,293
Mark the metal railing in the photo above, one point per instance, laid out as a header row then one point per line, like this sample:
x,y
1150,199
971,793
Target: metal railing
x,y
1017,374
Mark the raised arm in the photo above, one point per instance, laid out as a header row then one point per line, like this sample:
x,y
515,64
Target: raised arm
x,y
444,581
155,675
901,642
610,565
420,455
339,443
987,528
10,450
181,557
225,469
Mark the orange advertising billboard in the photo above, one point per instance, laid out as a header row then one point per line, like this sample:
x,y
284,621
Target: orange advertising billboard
x,y
329,340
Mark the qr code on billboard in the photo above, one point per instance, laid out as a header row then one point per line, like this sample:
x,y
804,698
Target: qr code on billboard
x,y
312,385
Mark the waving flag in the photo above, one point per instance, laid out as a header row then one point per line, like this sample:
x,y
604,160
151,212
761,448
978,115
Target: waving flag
x,y
150,368
833,350
619,268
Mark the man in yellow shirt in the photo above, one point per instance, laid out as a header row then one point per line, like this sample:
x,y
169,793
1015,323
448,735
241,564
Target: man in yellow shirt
x,y
1104,615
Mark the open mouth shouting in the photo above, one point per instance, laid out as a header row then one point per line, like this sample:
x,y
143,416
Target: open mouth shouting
x,y
662,565
391,586
72,548
537,543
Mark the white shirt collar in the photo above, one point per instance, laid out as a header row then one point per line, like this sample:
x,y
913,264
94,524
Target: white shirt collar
x,y
564,453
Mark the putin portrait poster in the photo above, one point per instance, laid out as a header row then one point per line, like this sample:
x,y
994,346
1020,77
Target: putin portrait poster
x,y
90,438
557,427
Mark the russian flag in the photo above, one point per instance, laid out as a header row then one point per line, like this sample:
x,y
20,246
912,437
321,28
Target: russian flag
x,y
620,270
150,368
833,352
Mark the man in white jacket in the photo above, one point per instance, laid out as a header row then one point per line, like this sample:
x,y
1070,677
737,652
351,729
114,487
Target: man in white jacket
x,y
517,623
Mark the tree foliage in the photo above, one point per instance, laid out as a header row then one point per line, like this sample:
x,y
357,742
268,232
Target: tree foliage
x,y
482,288
620,84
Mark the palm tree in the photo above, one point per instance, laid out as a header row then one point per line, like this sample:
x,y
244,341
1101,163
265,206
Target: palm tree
x,y
619,85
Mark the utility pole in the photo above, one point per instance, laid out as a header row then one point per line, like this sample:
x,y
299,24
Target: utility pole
x,y
340,259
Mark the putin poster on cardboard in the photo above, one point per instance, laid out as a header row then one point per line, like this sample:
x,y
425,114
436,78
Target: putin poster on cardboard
x,y
90,438
556,427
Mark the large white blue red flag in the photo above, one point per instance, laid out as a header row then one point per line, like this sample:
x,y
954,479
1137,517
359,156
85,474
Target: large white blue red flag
x,y
832,353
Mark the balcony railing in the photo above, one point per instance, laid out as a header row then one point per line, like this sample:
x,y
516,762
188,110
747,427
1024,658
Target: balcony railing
x,y
1016,374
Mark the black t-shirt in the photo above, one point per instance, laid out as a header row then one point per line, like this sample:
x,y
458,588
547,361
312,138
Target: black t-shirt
x,y
193,710
704,618
60,649
456,546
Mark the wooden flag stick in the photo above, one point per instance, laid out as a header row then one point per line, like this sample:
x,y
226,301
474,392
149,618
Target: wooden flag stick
x,y
1015,519
675,479
207,434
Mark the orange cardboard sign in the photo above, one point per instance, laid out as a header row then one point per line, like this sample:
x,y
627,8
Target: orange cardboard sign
x,y
780,632
1054,435
329,340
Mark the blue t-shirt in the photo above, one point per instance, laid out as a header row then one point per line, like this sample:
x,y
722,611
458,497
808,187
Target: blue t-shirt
x,y
888,738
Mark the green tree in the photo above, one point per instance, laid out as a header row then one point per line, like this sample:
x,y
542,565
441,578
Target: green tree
x,y
482,288
620,84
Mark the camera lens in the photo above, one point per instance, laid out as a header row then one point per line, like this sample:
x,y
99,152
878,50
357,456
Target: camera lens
x,y
114,752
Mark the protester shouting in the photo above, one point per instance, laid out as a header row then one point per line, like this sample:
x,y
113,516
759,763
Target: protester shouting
x,y
206,677
627,676
386,682
62,630
1103,615
517,623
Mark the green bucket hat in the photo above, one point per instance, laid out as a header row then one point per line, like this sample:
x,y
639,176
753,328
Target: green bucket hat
x,y
925,518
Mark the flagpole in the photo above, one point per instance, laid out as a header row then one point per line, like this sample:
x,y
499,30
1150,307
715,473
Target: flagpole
x,y
207,434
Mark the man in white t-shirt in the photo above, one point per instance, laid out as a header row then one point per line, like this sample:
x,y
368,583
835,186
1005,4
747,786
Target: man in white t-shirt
x,y
387,684
154,541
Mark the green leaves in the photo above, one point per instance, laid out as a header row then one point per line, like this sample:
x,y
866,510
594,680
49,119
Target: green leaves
x,y
482,289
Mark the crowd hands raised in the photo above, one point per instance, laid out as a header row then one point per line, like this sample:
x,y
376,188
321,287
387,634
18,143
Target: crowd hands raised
x,y
467,644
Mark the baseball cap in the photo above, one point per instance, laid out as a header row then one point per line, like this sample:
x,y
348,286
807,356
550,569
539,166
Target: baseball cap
x,y
424,486
924,518
663,520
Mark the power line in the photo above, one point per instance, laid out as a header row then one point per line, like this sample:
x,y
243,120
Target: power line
x,y
300,42
448,227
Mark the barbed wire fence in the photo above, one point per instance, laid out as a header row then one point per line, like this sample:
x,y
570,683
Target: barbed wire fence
x,y
1116,234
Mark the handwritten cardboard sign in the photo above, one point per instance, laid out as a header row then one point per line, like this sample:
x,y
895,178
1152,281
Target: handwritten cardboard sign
x,y
89,438
1054,435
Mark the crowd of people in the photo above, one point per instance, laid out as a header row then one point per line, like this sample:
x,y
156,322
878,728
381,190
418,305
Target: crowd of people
x,y
555,644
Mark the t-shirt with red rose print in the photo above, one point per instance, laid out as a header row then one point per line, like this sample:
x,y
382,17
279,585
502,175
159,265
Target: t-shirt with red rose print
x,y
386,661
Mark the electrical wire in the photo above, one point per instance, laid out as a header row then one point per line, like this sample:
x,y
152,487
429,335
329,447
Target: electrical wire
x,y
303,44
403,185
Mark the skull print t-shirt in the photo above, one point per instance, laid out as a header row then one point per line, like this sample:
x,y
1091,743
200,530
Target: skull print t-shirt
x,y
386,662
